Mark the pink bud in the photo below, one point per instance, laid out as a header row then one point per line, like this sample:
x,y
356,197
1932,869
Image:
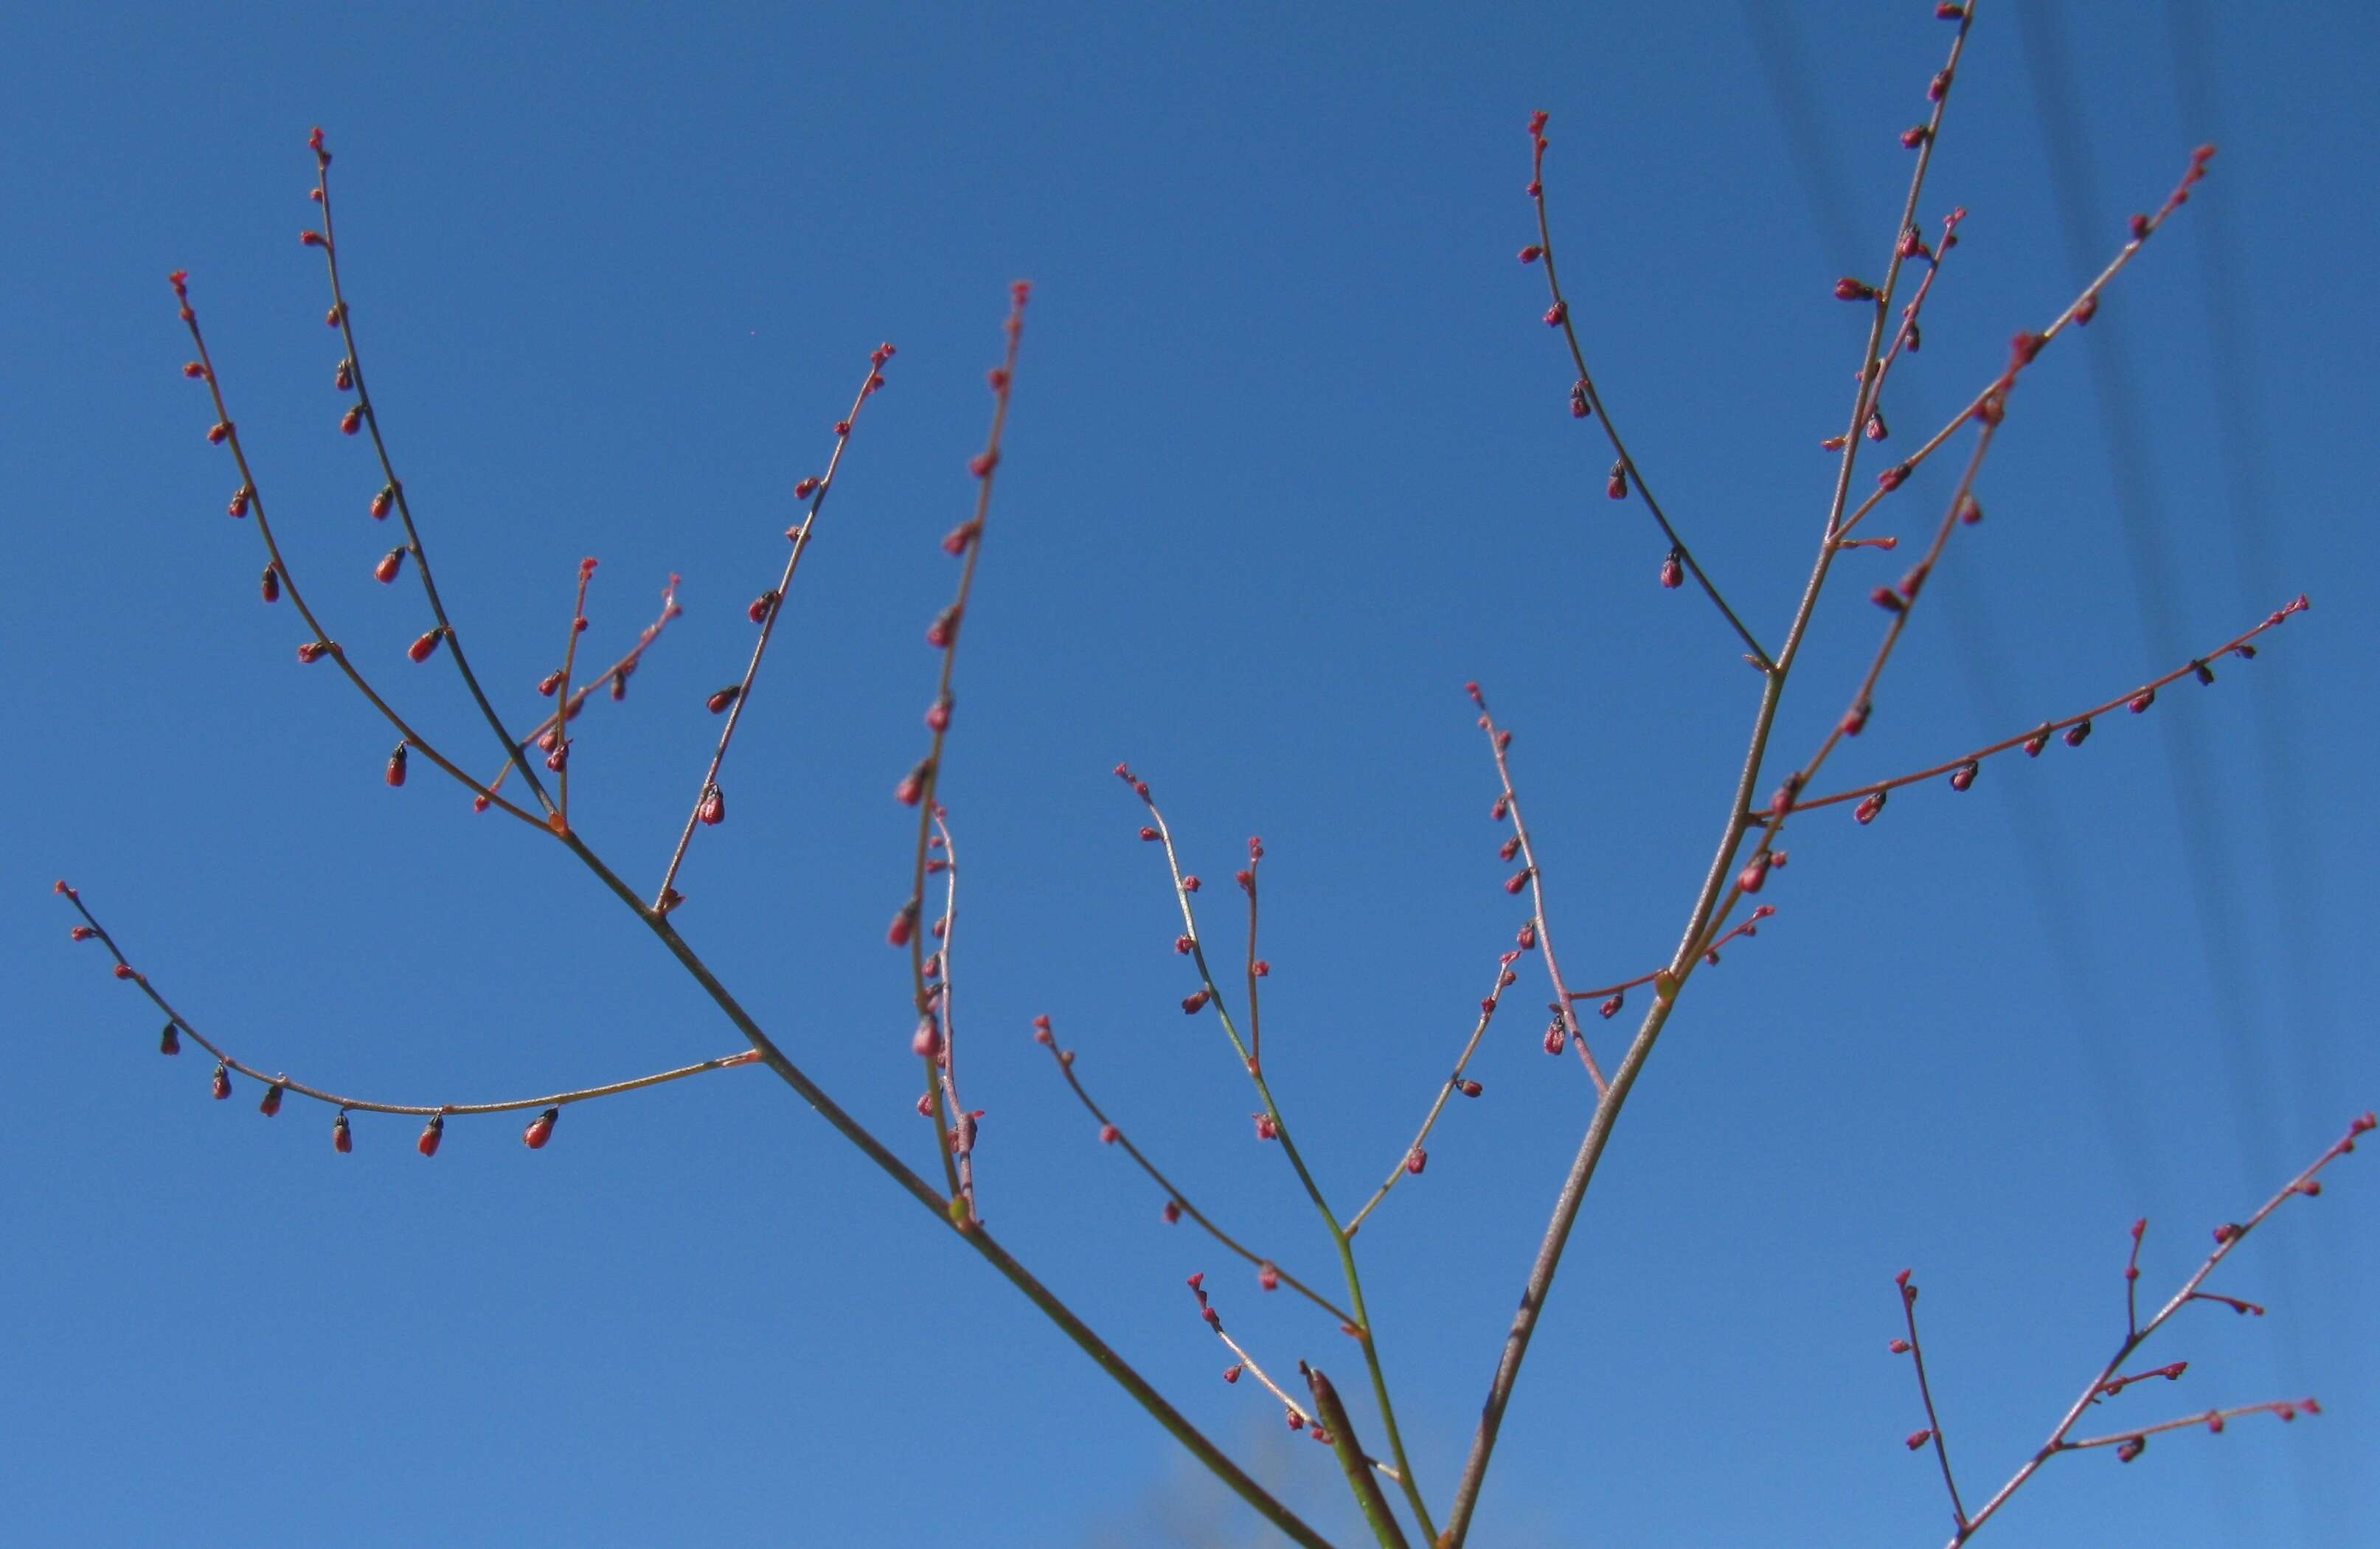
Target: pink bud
x,y
713,810
1417,1159
1964,776
1674,575
1557,314
1867,810
1611,1009
1850,290
2076,733
1110,1134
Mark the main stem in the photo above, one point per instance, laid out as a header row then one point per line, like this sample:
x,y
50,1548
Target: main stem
x,y
1691,945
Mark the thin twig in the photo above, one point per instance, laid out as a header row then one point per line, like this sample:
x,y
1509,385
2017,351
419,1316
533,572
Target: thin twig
x,y
344,316
250,501
1064,1060
1404,1166
1586,395
773,604
2226,1237
1926,1391
182,1024
1499,742
2197,666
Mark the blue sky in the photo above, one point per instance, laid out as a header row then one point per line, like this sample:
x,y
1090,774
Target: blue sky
x,y
1289,462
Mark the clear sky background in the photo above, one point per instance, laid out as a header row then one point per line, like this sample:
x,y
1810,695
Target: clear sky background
x,y
1289,462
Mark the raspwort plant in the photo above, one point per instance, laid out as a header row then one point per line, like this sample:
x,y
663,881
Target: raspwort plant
x,y
530,782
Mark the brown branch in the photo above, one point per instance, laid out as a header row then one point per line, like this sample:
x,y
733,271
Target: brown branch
x,y
709,802
342,317
1587,400
1500,743
177,1023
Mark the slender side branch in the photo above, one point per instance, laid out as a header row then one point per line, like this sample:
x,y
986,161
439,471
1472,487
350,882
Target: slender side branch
x,y
1415,1156
710,804
1500,743
342,317
1584,400
250,500
2106,1381
617,675
178,1025
2032,740
1176,1200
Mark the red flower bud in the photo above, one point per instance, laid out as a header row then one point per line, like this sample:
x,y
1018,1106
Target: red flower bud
x,y
237,506
1580,405
1964,776
1754,874
1674,575
1190,885
762,605
1850,290
807,488
983,462
420,649
2085,311
1916,135
270,584
912,788
718,702
379,502
351,422
271,1103
1517,880
343,379
1617,487
2139,226
944,628
1557,1038
904,926
1265,1128
1231,1373
309,239
2076,733
396,765
1854,720
1611,1007
1527,937
343,1139
1867,810
1530,254
1557,314
431,1133
1887,599
2141,701
541,1129
1417,1159
1110,1134
223,1081
1899,1347
1918,1439
1171,1213
313,650
938,717
1194,1003
170,1040
2127,1451
1267,1278
123,970
713,809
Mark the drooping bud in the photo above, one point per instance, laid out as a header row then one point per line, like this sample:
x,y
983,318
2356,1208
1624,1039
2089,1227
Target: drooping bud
x,y
396,765
1557,314
1917,1439
170,1040
719,702
431,1133
1171,1213
713,810
1754,874
420,649
912,788
352,420
239,499
271,1103
1557,1037
1611,1009
1527,937
222,1081
903,926
1194,1003
1265,1128
1964,776
2077,733
1417,1159
1580,405
343,1139
1530,254
379,502
270,584
1888,599
1867,810
1854,720
1617,488
1674,575
541,1129
2127,1451
1468,1088
1850,290
2141,701
944,628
